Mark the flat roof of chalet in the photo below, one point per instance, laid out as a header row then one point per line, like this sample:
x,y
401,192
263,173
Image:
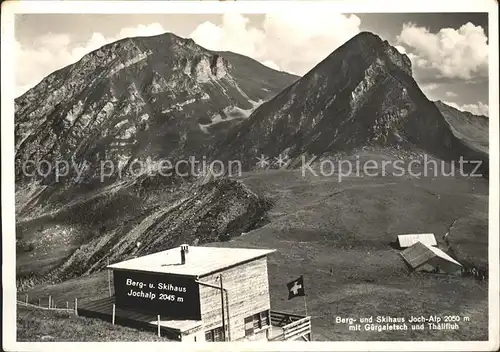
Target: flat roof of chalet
x,y
200,261
181,325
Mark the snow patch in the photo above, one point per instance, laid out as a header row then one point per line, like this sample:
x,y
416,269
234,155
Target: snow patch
x,y
237,112
232,113
139,57
103,114
85,120
187,69
75,111
178,106
203,128
128,133
121,123
189,101
119,143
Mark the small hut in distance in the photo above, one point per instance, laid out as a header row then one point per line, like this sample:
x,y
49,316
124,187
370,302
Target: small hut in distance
x,y
423,257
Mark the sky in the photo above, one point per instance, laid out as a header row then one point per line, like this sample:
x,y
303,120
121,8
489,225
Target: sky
x,y
449,51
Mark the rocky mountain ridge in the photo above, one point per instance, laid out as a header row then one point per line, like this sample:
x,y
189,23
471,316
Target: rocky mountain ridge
x,y
363,94
137,98
472,129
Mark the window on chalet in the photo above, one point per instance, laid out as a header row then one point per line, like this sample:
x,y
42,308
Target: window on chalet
x,y
249,326
214,335
256,322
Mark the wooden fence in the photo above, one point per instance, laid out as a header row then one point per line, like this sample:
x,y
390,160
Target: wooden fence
x,y
50,304
24,304
292,326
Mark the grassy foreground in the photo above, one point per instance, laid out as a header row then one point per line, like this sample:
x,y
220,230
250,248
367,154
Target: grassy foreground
x,y
36,325
338,235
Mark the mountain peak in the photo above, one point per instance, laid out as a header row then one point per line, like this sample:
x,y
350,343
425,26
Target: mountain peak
x,y
364,41
366,35
139,98
399,59
362,95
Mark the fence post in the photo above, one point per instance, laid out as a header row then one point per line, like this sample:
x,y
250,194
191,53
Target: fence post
x,y
159,334
109,280
39,303
67,305
50,299
76,306
26,300
114,311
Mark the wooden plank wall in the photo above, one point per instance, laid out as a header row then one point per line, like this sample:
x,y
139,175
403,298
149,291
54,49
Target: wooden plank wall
x,y
248,294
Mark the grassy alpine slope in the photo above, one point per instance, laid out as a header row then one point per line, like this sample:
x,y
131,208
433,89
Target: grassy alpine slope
x,y
338,234
34,325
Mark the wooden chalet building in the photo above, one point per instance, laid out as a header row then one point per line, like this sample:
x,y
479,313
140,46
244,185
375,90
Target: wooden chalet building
x,y
423,257
192,293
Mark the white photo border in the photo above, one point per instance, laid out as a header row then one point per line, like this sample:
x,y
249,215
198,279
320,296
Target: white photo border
x,y
8,13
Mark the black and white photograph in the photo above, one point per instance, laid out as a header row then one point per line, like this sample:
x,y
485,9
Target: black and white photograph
x,y
280,175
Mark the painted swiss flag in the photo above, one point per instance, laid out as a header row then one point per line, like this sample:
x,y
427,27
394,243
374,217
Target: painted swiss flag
x,y
296,288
